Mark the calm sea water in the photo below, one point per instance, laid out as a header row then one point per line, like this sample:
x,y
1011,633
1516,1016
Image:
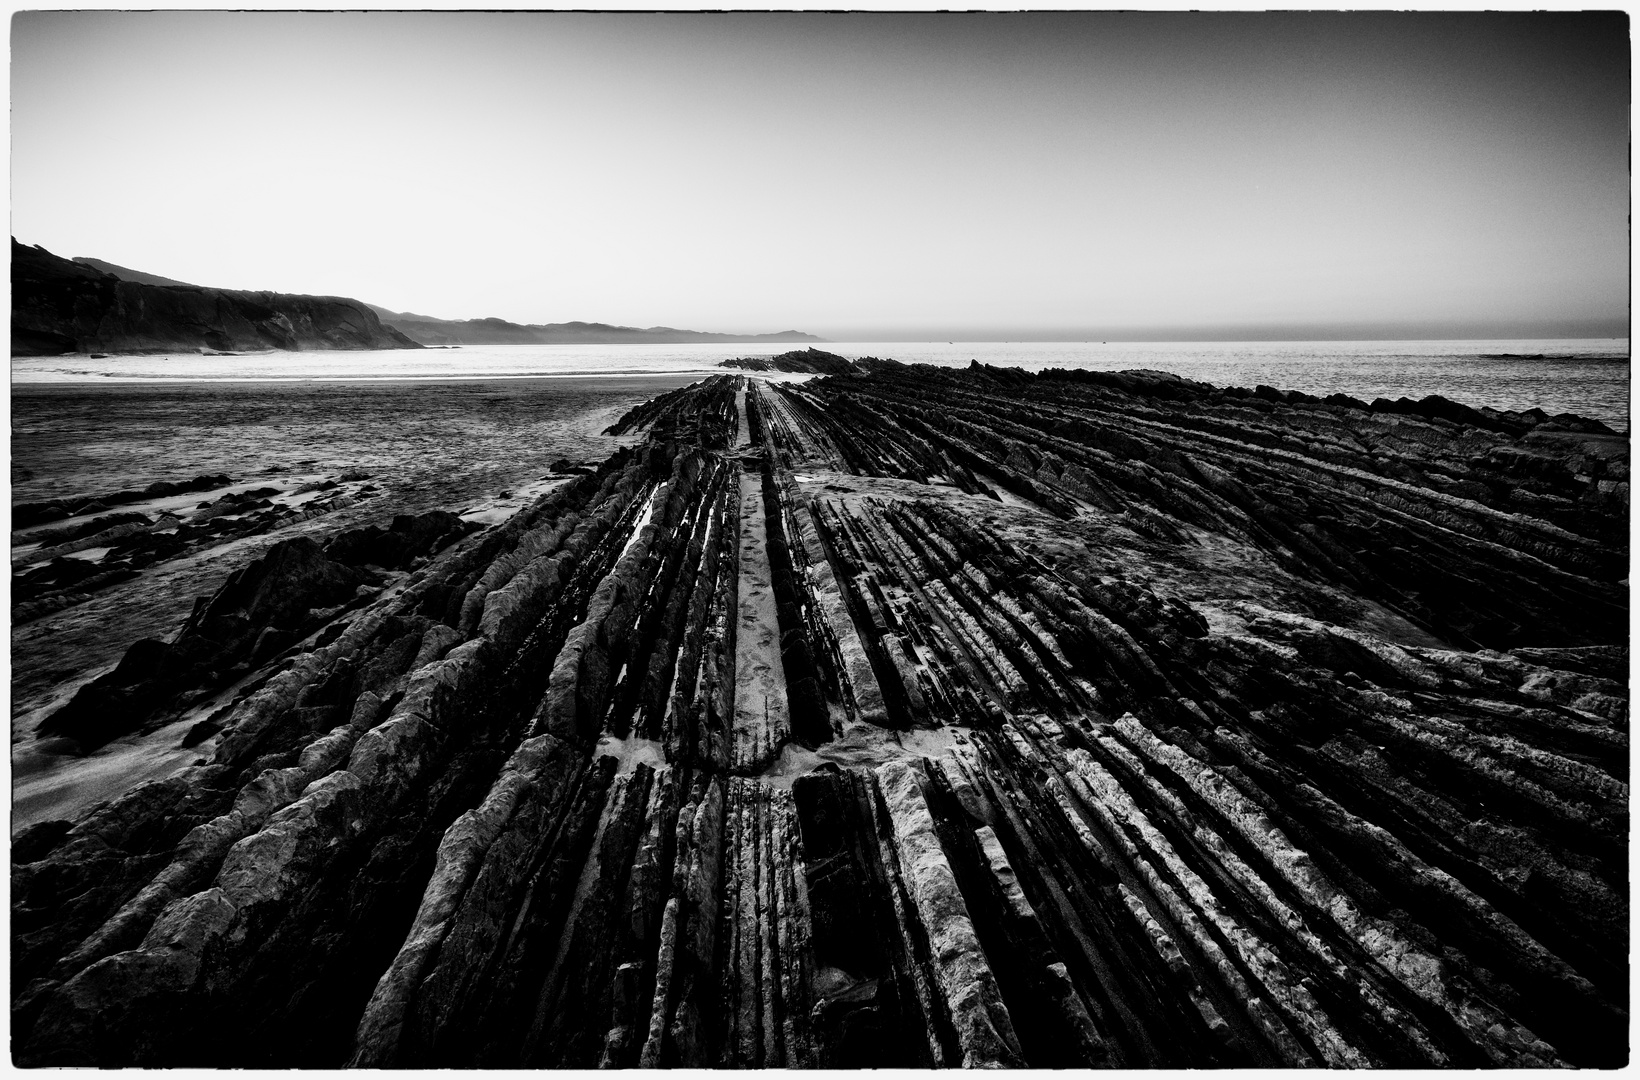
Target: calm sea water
x,y
1588,377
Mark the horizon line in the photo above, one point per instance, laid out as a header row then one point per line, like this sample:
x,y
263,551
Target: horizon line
x,y
1157,340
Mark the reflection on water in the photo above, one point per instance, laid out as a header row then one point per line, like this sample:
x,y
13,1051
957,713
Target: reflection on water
x,y
1589,377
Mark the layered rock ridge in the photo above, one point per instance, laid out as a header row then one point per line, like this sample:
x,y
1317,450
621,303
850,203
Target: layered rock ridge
x,y
810,361
913,718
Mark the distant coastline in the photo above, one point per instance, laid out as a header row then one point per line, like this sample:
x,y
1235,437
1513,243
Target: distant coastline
x,y
61,306
431,331
88,306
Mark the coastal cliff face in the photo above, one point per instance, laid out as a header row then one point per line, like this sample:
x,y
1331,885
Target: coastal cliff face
x,y
59,306
912,718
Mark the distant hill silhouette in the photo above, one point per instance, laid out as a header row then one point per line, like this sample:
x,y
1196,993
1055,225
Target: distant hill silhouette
x,y
431,331
91,305
60,306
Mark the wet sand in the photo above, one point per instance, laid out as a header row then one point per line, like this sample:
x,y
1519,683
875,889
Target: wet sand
x,y
476,447
68,439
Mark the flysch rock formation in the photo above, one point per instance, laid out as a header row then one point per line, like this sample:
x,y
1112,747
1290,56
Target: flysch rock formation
x,y
810,361
913,718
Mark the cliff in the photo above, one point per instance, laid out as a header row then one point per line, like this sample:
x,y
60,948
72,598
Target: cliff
x,y
431,331
63,306
915,717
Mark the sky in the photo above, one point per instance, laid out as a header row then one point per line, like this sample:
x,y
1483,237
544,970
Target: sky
x,y
1060,176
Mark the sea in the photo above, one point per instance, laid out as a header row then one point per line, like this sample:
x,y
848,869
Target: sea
x,y
1589,377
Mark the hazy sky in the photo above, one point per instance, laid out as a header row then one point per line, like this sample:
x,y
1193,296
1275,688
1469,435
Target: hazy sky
x,y
1105,175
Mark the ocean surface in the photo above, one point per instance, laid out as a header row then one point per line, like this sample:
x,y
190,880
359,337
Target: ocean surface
x,y
1589,377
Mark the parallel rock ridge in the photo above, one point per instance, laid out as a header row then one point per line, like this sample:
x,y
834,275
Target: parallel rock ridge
x,y
810,361
913,717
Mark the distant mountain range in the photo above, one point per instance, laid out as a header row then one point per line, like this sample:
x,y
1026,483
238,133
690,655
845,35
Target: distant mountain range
x,y
90,305
431,331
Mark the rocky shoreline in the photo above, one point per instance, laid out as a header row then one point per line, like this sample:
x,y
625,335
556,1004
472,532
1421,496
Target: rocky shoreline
x,y
810,361
903,717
